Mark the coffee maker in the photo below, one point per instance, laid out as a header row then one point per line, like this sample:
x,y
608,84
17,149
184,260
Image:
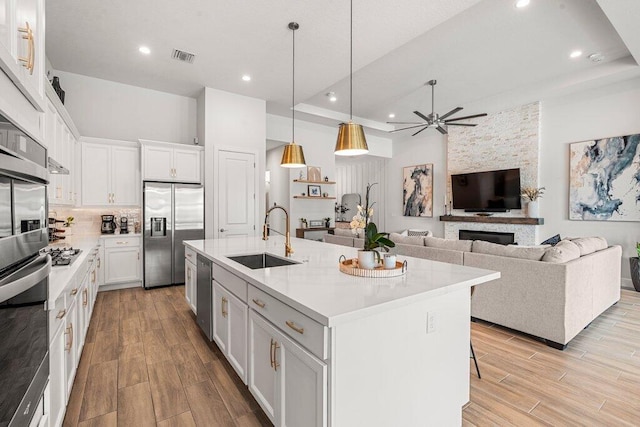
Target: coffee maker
x,y
108,224
124,225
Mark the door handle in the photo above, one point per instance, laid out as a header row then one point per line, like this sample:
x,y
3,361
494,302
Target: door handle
x,y
222,230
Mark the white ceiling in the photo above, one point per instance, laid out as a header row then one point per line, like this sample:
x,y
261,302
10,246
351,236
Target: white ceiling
x,y
485,54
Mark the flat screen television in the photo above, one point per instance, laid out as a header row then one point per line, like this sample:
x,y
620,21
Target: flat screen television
x,y
491,191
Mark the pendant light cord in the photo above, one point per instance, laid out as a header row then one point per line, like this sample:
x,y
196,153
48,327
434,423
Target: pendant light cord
x,y
351,63
293,90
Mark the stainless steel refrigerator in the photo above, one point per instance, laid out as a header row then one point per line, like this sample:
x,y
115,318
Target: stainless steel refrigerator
x,y
172,213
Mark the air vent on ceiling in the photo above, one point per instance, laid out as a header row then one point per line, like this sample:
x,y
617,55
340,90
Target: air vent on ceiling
x,y
183,56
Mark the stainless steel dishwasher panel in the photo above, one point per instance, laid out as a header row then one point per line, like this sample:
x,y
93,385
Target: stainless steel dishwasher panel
x,y
203,296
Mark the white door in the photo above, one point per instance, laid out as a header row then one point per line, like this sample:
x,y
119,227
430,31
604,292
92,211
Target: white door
x,y
262,375
237,334
122,265
96,172
158,164
220,317
186,165
125,181
236,194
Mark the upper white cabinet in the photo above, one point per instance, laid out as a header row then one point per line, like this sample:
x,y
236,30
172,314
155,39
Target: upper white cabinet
x,y
22,54
163,161
110,173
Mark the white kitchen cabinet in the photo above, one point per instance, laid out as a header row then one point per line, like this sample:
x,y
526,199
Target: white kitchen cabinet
x,y
230,328
190,279
162,161
122,260
289,383
70,353
110,173
57,366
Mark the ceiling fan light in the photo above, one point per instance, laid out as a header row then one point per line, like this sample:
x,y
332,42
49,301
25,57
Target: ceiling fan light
x,y
292,156
351,140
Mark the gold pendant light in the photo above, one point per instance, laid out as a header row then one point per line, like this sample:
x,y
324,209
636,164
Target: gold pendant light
x,y
293,156
351,140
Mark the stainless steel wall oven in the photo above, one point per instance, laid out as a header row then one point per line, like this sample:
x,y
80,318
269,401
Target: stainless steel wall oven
x,y
24,272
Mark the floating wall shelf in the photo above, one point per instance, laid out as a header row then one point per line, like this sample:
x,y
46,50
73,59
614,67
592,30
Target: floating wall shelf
x,y
493,219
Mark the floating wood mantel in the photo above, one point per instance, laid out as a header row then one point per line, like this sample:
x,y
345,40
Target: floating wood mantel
x,y
493,219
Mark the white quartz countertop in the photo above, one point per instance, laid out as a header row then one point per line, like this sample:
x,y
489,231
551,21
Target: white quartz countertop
x,y
119,235
61,275
318,289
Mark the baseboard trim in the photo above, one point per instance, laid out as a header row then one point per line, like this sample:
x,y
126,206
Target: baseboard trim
x,y
626,284
117,286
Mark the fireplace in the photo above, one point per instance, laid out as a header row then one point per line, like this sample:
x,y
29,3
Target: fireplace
x,y
489,236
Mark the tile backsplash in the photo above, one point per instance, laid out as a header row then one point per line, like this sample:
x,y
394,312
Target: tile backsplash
x,y
87,221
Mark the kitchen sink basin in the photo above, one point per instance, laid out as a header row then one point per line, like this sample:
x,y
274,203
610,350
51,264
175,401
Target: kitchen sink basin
x,y
262,260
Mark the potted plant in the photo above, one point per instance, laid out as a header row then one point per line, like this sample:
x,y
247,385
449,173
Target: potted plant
x,y
369,256
303,223
327,222
532,194
634,264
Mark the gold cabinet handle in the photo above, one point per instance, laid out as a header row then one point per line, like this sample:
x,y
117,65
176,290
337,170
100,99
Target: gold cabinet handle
x,y
74,291
271,353
98,262
120,242
71,336
259,303
84,297
276,346
93,276
188,274
293,326
67,345
61,314
69,331
224,302
29,61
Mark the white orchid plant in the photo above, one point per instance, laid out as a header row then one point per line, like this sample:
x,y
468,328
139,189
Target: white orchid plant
x,y
362,223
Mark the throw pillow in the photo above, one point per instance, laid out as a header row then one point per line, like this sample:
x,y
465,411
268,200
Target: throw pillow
x,y
454,245
533,254
343,232
589,245
564,251
415,232
552,240
406,240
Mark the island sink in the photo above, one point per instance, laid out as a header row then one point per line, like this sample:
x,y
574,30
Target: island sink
x,y
262,260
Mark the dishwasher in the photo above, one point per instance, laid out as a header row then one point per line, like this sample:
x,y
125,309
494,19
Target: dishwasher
x,y
203,296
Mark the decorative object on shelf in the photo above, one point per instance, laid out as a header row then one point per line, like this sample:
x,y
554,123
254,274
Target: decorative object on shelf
x,y
325,194
69,222
604,179
417,190
292,155
316,223
313,174
303,223
368,257
327,222
532,194
433,120
326,179
56,87
351,140
354,268
314,190
634,265
340,210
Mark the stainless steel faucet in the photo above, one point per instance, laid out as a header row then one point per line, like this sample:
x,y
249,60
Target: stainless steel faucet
x,y
287,243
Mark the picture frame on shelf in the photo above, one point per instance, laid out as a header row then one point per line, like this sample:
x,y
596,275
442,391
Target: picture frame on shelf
x,y
314,191
314,174
316,223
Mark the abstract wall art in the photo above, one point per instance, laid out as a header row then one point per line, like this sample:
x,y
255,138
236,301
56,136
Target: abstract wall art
x,y
417,190
604,181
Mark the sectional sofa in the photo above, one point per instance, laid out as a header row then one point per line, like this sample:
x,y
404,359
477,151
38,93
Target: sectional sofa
x,y
550,292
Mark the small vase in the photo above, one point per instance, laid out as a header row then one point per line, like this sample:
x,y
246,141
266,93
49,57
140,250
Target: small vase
x,y
389,261
634,264
366,259
533,209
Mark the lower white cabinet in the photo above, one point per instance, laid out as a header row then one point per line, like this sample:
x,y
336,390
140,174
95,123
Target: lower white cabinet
x,y
230,328
57,374
289,383
190,282
122,260
70,353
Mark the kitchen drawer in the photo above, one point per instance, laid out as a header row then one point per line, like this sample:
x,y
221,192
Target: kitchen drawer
x,y
121,242
298,326
190,255
231,282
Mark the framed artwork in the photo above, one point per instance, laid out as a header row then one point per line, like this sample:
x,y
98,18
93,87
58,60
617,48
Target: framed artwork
x,y
417,190
604,179
314,191
313,174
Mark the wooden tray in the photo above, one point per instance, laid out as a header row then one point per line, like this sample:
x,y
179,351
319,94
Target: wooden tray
x,y
350,266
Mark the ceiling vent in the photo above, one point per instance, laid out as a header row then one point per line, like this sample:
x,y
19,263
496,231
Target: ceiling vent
x,y
183,56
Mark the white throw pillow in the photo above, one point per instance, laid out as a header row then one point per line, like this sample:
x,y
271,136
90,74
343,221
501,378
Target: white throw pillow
x,y
454,245
589,245
564,251
533,254
406,240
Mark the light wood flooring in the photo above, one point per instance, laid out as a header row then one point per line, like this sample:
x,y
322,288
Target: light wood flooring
x,y
147,363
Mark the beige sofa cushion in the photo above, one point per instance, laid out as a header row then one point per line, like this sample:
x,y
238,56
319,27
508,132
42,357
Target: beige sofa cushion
x,y
533,254
564,251
589,245
407,240
454,245
343,232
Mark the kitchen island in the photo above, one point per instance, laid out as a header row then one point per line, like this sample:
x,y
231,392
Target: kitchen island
x,y
319,347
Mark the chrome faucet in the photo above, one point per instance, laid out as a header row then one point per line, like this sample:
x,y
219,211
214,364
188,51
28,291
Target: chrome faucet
x,y
287,243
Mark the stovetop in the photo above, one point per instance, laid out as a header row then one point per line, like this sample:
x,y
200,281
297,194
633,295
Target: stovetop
x,y
62,256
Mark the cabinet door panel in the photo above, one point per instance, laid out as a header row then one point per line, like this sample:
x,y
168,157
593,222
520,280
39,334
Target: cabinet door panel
x,y
262,376
186,164
96,167
125,181
158,163
70,338
5,25
237,335
122,265
220,318
190,273
57,378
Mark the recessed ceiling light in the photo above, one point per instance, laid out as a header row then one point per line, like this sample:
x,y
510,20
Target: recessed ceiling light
x,y
392,116
575,54
246,78
144,49
522,3
332,96
596,57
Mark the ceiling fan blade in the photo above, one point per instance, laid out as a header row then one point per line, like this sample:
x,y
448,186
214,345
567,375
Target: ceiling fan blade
x,y
419,114
405,123
455,110
466,117
426,127
409,127
462,124
442,130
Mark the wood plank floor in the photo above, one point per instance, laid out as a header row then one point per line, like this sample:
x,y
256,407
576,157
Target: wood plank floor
x,y
146,363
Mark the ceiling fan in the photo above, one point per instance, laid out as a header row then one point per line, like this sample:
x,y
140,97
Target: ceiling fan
x,y
433,120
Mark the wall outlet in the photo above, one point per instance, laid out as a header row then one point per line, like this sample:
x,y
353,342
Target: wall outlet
x,y
432,322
